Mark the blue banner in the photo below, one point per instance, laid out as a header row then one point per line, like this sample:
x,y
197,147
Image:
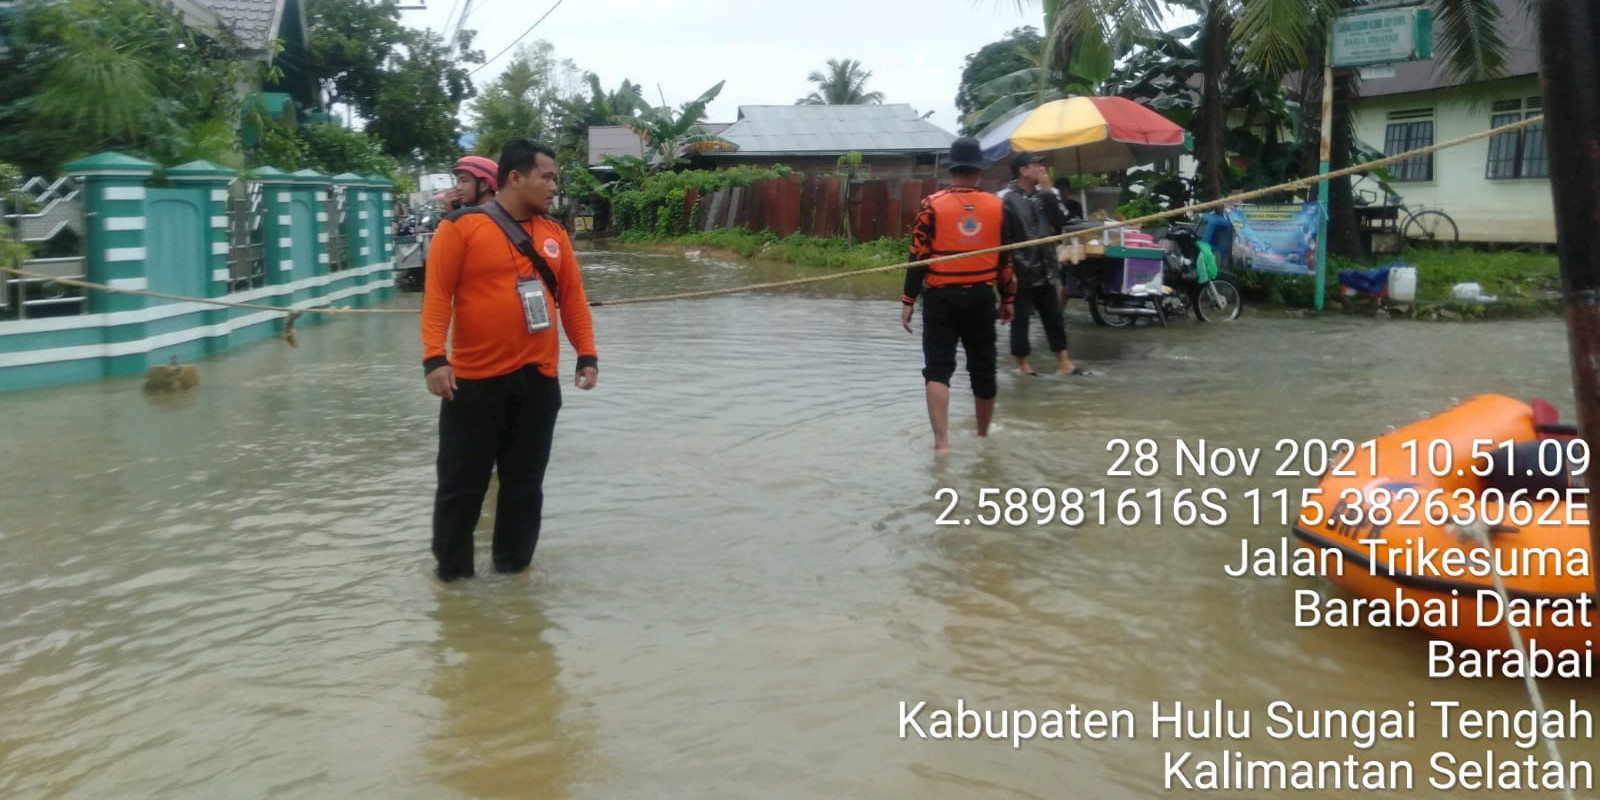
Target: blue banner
x,y
1276,238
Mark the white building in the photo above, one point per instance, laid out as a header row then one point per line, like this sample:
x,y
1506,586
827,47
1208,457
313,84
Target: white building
x,y
1496,189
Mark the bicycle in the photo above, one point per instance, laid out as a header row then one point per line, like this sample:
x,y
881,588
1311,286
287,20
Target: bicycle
x,y
1421,224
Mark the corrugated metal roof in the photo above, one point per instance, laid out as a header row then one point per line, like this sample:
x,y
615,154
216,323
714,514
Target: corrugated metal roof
x,y
255,22
834,129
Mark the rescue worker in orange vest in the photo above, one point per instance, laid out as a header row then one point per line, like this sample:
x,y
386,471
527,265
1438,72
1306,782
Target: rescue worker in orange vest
x,y
958,295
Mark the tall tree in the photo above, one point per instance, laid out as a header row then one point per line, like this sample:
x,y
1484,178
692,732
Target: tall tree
x,y
1471,45
530,98
1083,41
1016,52
350,43
844,84
407,84
1277,36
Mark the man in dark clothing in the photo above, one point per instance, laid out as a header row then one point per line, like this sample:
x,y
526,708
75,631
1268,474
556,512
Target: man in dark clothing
x,y
1072,208
1028,216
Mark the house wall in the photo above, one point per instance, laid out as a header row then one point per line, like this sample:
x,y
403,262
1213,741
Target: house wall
x,y
1506,210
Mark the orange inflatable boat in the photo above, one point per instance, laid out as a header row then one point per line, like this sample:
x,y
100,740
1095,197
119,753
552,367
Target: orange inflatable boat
x,y
1417,523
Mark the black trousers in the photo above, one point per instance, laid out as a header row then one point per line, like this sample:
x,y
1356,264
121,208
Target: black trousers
x,y
1047,299
962,315
503,424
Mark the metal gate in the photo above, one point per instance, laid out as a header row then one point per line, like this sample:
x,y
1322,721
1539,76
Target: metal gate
x,y
338,234
37,213
247,249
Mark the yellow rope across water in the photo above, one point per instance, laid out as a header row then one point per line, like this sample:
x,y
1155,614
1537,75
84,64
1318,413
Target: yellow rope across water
x,y
1302,183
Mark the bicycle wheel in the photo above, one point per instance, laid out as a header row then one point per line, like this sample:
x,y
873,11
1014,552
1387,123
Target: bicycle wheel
x,y
1433,227
1217,301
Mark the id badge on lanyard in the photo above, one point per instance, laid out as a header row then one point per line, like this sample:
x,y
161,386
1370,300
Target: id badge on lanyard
x,y
534,310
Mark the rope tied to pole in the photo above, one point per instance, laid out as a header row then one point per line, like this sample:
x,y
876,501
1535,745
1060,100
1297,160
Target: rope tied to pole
x,y
1235,199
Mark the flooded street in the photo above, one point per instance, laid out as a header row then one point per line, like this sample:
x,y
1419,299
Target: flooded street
x,y
228,594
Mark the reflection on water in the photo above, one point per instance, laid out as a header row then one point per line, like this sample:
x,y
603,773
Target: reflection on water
x,y
498,682
227,594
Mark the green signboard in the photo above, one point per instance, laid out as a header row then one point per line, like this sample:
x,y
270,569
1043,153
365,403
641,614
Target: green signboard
x,y
1387,36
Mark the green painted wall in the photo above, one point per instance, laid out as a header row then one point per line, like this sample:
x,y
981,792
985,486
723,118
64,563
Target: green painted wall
x,y
166,240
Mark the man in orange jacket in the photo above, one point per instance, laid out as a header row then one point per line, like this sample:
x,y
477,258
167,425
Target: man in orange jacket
x,y
958,295
499,383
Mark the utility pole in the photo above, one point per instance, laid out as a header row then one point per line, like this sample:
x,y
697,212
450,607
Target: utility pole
x,y
1569,38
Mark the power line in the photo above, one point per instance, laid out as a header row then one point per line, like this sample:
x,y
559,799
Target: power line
x,y
455,30
519,38
479,8
454,7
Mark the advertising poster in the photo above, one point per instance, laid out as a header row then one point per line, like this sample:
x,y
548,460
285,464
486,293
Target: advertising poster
x,y
1281,238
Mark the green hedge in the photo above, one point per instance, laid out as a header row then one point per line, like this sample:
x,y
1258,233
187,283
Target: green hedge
x,y
656,206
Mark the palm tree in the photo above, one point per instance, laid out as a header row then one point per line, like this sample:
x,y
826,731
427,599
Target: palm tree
x,y
844,85
1083,40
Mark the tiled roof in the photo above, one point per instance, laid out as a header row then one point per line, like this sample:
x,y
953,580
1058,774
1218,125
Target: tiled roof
x,y
255,22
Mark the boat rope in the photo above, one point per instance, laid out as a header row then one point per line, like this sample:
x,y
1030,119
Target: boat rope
x,y
1480,532
1235,199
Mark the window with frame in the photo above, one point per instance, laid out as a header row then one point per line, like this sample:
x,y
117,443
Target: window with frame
x,y
1520,153
1409,130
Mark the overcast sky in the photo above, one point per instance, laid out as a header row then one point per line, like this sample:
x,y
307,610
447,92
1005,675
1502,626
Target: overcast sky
x,y
915,49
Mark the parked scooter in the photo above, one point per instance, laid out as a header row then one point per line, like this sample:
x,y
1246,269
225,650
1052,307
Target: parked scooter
x,y
1119,299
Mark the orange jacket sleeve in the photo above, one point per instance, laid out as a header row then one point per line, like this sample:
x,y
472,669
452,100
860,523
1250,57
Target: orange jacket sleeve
x,y
445,255
575,319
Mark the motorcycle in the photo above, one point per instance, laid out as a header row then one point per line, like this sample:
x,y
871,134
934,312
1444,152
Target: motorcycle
x,y
1162,288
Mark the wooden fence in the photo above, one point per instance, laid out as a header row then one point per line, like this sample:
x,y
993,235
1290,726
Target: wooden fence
x,y
814,205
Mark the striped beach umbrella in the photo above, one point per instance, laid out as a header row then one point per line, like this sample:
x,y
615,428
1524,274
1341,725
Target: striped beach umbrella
x,y
1087,135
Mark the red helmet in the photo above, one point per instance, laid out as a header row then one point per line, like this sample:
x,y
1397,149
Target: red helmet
x,y
479,167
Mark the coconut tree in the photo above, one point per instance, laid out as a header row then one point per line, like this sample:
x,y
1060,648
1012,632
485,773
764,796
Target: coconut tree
x,y
844,84
1277,36
1471,47
1083,40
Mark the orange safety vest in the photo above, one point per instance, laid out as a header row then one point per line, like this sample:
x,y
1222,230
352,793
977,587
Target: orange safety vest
x,y
963,222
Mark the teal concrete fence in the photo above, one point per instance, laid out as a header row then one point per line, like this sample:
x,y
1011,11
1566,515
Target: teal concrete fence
x,y
297,240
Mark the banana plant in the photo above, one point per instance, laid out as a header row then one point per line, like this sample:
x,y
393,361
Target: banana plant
x,y
667,134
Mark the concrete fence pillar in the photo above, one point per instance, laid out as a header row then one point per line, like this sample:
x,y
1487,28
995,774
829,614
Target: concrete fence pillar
x,y
113,189
210,184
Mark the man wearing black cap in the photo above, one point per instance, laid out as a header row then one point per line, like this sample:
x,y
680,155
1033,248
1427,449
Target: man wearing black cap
x,y
1029,214
958,295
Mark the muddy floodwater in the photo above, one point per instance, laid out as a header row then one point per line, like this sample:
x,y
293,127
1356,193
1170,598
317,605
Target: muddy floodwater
x,y
741,579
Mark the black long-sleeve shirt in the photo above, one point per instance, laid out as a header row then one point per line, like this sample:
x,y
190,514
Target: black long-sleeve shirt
x,y
1030,217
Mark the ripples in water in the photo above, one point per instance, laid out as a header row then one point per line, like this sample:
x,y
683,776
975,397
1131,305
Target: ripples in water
x,y
227,594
